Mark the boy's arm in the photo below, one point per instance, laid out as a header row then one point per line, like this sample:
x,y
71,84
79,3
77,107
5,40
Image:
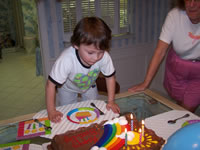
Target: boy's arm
x,y
110,83
53,114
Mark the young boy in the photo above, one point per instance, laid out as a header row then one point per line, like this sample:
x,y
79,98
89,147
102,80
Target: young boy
x,y
77,68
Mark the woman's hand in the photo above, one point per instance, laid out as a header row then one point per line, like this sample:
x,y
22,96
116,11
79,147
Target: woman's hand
x,y
137,88
112,105
55,116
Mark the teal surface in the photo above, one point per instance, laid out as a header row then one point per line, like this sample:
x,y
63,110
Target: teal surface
x,y
8,133
141,105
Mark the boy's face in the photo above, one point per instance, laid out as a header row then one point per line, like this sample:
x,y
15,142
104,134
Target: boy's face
x,y
89,54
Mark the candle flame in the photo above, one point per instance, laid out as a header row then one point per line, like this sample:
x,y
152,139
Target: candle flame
x,y
143,122
125,130
140,130
131,116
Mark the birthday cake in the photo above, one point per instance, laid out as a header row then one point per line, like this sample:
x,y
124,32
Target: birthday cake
x,y
119,133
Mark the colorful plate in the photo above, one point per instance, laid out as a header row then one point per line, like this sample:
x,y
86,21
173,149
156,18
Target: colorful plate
x,y
83,115
188,122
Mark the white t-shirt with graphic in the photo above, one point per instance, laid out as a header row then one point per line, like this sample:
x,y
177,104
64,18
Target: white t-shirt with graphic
x,y
74,76
184,35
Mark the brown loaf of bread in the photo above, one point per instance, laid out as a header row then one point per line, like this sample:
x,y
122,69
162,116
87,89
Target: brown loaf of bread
x,y
85,138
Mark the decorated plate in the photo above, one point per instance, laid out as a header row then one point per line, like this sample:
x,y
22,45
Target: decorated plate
x,y
83,115
188,122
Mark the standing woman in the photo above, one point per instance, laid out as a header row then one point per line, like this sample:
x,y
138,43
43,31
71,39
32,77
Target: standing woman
x,y
181,35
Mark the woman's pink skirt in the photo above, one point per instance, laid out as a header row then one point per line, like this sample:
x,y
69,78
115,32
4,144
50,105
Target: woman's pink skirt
x,y
182,80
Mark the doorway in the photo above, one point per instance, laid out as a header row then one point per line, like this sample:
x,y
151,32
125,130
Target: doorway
x,y
21,85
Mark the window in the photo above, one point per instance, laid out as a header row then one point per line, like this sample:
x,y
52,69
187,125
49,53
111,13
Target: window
x,y
108,12
113,12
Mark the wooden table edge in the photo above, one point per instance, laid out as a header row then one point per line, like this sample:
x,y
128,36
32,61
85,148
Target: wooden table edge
x,y
154,95
16,119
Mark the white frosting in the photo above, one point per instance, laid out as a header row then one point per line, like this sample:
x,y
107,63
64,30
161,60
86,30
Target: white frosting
x,y
102,148
122,117
116,120
121,120
130,135
97,148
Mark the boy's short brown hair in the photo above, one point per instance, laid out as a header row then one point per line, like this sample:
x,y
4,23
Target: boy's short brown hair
x,y
92,30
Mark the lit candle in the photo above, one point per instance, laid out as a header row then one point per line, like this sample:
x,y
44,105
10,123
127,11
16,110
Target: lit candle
x,y
131,122
140,138
126,137
142,128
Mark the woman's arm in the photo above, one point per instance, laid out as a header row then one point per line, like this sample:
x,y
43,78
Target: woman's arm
x,y
156,60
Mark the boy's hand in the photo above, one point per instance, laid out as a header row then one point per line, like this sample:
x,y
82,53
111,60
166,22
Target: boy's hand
x,y
112,105
55,116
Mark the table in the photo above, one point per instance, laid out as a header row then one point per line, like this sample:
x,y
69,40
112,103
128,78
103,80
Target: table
x,y
159,123
153,103
160,99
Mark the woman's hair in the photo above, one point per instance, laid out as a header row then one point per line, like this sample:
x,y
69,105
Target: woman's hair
x,y
92,30
178,3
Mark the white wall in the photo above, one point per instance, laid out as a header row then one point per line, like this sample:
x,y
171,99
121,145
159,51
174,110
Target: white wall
x,y
131,63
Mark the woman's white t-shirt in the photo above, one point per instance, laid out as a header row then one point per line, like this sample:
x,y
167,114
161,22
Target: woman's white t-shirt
x,y
184,35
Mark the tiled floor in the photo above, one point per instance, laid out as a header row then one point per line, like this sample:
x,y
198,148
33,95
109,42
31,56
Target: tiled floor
x,y
21,91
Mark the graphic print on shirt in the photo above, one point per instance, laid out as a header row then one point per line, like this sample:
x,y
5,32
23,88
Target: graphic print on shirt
x,y
194,37
83,81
